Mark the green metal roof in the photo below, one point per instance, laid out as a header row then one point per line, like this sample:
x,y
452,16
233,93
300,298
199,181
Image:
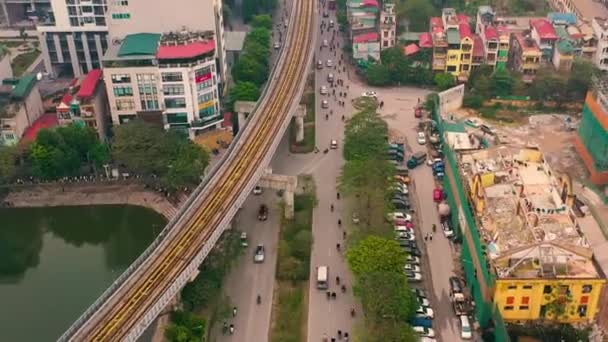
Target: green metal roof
x,y
565,47
453,36
139,44
23,88
410,36
457,127
561,32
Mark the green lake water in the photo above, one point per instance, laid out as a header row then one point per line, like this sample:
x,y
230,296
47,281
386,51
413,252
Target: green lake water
x,y
54,262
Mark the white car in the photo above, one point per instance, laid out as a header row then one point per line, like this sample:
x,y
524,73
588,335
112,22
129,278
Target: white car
x,y
355,218
424,302
465,328
404,235
324,104
413,268
413,260
473,122
277,45
319,64
432,161
330,63
421,138
370,94
325,43
323,90
418,292
333,144
414,277
402,188
258,256
399,216
331,23
425,312
257,190
423,331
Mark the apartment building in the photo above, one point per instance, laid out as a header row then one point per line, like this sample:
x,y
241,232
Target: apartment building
x,y
20,106
74,36
366,45
388,26
16,14
364,32
600,28
545,37
495,37
440,44
564,53
592,140
170,79
452,43
524,56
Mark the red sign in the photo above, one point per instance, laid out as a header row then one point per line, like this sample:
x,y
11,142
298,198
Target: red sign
x,y
203,78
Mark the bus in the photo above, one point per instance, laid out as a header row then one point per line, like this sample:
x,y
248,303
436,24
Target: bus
x,y
322,277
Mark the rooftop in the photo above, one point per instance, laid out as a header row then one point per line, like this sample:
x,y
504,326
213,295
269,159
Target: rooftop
x,y
235,40
46,121
453,36
526,44
25,85
527,227
465,30
544,28
565,47
186,50
559,18
426,40
589,9
139,44
491,32
410,49
88,85
366,37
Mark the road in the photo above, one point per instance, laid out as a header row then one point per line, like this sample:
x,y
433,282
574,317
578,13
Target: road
x,y
247,279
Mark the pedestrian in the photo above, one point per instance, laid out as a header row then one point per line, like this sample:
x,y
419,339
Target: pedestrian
x,y
344,234
338,280
234,311
339,222
338,246
333,295
339,334
426,237
328,294
431,237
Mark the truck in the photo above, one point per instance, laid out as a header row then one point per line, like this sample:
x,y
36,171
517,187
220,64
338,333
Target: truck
x,y
460,304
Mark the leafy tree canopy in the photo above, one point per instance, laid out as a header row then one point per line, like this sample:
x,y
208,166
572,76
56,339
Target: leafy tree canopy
x,y
397,301
376,254
263,21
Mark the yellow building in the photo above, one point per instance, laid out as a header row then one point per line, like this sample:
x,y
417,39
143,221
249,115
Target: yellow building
x,y
459,38
543,264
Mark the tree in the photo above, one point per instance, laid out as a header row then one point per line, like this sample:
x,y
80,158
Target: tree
x,y
580,78
376,254
389,330
139,146
244,91
444,81
365,136
187,164
248,9
186,327
502,83
417,12
8,160
483,87
258,35
227,12
248,69
378,75
548,86
263,21
397,301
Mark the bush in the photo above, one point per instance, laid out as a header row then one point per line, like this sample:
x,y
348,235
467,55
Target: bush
x,y
472,101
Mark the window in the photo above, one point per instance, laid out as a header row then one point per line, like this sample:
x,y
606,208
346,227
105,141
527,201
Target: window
x,y
508,308
582,310
564,290
510,300
178,102
86,9
149,104
173,89
527,287
525,300
123,91
171,77
176,118
385,43
584,299
120,16
121,3
524,307
202,98
204,85
587,288
547,289
202,71
9,136
385,34
121,78
451,68
512,287
207,112
125,104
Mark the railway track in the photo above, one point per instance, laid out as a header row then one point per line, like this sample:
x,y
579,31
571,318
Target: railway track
x,y
167,263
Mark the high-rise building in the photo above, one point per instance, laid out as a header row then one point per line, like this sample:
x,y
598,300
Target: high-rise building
x,y
23,13
74,36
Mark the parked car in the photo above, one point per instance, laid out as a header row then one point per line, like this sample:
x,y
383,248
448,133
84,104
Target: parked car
x,y
416,159
423,301
257,190
277,45
422,322
259,255
447,229
323,90
331,23
399,216
370,94
412,268
413,277
330,78
244,242
455,285
401,235
413,260
418,292
412,250
437,195
465,328
472,122
333,144
425,312
421,138
330,63
263,212
324,104
423,331
401,205
319,64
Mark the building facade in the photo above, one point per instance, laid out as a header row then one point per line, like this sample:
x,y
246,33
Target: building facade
x,y
600,28
388,26
592,140
544,34
366,46
21,105
170,79
524,56
74,37
16,14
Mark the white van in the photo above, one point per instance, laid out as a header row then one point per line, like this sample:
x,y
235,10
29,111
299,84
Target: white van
x,y
322,277
465,328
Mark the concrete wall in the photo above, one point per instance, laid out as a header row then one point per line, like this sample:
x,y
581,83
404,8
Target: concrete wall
x,y
5,67
451,99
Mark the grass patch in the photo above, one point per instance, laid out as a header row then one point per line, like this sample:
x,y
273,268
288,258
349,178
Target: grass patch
x,y
293,266
23,61
12,43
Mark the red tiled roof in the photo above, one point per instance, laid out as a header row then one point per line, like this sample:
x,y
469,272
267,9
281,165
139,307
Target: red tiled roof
x,y
544,28
529,45
465,30
366,37
48,120
426,40
185,51
67,98
491,32
502,30
478,50
462,18
370,3
410,49
87,88
436,22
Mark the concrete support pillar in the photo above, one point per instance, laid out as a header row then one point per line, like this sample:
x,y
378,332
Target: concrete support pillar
x,y
242,119
243,108
288,184
299,117
289,206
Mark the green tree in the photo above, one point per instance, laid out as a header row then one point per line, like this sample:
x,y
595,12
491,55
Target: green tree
x,y
376,254
186,327
580,78
483,87
548,86
444,81
187,165
417,12
140,147
396,302
263,21
389,330
227,12
258,35
378,75
8,161
248,9
244,91
502,82
365,136
248,69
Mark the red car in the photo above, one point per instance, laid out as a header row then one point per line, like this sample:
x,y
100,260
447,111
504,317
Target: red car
x,y
418,112
437,195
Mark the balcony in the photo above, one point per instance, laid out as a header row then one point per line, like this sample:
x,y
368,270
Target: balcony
x,y
438,64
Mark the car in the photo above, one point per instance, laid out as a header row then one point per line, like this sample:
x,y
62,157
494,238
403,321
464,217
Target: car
x,y
370,94
412,250
319,64
263,213
465,328
406,243
325,14
424,311
422,321
432,161
427,339
418,292
447,229
399,216
413,260
400,222
423,301
399,204
472,122
413,277
401,188
257,190
437,195
401,235
455,285
423,331
421,138
403,230
355,218
412,268
285,23
330,78
325,43
329,63
259,255
277,45
487,129
324,104
244,242
323,90
399,195
331,23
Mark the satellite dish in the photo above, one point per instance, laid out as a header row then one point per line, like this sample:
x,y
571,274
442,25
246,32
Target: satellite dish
x,y
39,76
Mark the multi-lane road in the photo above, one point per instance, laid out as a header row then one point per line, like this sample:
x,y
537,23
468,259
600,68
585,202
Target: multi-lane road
x,y
134,299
